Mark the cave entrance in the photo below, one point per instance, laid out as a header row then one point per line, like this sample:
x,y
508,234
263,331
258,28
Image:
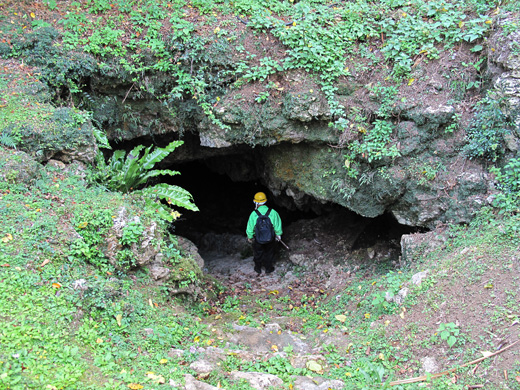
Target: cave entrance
x,y
225,199
223,188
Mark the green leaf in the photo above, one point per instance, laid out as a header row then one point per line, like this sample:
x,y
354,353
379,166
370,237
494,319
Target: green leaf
x,y
314,366
101,138
452,340
175,195
150,159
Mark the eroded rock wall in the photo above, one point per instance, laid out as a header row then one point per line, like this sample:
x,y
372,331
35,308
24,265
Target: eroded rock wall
x,y
429,181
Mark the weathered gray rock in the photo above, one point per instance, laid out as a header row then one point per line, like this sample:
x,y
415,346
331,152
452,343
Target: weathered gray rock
x,y
297,259
18,167
158,272
214,138
306,106
429,365
416,245
317,383
504,68
83,153
190,250
258,380
419,277
262,340
175,353
399,297
193,384
144,251
300,361
203,366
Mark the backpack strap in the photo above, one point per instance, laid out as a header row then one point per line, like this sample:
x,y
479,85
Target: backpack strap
x,y
266,214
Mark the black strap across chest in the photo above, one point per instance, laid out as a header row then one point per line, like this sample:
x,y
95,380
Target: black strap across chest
x,y
266,214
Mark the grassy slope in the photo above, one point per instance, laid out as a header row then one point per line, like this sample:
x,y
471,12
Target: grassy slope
x,y
56,334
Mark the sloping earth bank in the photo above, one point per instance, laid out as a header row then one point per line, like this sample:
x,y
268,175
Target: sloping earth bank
x,y
281,317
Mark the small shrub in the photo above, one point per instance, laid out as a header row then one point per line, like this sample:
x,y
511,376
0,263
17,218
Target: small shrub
x,y
375,144
486,133
131,233
130,172
448,332
508,178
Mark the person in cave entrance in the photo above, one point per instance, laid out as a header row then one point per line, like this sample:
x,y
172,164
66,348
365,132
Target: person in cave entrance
x,y
263,254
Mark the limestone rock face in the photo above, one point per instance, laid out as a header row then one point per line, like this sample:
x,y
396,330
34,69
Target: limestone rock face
x,y
307,163
504,67
183,271
259,380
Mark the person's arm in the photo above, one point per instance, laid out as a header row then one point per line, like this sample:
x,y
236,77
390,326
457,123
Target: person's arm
x,y
250,230
277,222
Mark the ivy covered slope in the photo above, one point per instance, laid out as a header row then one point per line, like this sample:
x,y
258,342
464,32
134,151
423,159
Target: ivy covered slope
x,y
384,93
76,260
197,56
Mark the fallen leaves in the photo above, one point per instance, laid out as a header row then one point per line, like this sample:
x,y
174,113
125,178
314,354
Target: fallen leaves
x,y
157,379
8,237
82,225
45,262
341,317
313,365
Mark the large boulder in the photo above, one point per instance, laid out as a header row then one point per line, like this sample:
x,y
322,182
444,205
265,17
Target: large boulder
x,y
17,167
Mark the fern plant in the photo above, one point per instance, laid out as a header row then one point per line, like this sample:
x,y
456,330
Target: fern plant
x,y
131,172
7,140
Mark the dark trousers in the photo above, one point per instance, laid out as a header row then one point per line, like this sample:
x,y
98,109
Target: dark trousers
x,y
263,255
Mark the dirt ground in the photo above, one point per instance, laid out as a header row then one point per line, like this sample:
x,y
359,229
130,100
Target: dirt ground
x,y
321,263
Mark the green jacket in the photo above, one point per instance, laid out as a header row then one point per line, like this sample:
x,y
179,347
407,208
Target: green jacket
x,y
273,216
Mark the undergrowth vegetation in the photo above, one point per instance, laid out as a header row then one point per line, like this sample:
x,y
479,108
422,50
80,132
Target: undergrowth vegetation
x,y
128,38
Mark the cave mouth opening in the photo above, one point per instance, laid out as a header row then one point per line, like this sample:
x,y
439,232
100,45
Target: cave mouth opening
x,y
223,183
223,188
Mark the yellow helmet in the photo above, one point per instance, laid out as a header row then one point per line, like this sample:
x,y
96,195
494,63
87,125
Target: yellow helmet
x,y
260,198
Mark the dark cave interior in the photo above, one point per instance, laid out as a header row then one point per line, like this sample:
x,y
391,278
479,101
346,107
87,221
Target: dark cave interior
x,y
225,206
223,184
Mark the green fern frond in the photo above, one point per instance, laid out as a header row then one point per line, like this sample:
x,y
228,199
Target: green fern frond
x,y
173,194
101,138
7,141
